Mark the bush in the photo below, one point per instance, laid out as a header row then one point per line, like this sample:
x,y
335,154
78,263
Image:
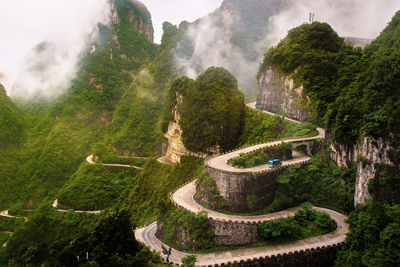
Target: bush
x,y
186,231
261,156
262,127
189,260
306,223
315,181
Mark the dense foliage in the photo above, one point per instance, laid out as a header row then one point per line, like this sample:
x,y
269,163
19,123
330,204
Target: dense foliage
x,y
312,54
94,187
371,103
306,223
317,182
135,128
11,127
57,239
147,195
189,260
374,237
184,230
212,110
262,156
62,132
262,127
10,224
353,92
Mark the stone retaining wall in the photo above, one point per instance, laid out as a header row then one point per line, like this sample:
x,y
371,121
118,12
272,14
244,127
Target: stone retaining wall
x,y
245,192
234,233
322,256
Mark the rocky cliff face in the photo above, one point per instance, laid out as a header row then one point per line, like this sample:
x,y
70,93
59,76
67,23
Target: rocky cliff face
x,y
233,37
176,149
138,15
279,94
368,154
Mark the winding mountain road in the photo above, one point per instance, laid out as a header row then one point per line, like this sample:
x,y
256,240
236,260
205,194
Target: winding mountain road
x,y
90,160
221,162
4,213
184,198
55,204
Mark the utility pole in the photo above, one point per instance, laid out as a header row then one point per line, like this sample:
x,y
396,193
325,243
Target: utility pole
x,y
311,18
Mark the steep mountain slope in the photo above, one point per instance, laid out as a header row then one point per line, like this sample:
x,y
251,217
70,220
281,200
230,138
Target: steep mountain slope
x,y
231,37
12,122
136,125
355,93
61,133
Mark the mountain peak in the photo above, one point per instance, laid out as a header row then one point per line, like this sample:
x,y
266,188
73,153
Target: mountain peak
x,y
136,13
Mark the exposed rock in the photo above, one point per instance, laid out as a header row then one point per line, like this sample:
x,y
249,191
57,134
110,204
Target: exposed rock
x,y
92,49
368,153
279,94
343,155
141,21
115,17
176,149
116,42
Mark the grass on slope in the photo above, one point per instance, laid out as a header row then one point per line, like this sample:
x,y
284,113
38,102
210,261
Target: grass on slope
x,y
147,195
94,187
184,230
10,224
306,223
262,127
4,238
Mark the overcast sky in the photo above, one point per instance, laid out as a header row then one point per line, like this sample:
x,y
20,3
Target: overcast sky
x,y
176,11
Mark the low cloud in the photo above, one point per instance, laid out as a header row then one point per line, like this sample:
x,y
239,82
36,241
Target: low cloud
x,y
219,40
45,39
349,18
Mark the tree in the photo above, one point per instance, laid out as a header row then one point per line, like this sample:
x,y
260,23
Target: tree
x,y
212,111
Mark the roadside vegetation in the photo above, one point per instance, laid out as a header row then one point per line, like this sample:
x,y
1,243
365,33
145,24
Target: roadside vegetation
x,y
58,238
94,187
306,223
147,195
261,127
185,231
261,156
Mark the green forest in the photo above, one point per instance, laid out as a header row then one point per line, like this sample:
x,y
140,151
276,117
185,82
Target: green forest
x,y
354,93
118,108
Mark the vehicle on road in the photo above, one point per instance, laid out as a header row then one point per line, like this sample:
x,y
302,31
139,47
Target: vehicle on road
x,y
258,107
72,210
274,163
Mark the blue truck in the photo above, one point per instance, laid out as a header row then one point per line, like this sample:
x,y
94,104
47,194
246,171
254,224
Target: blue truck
x,y
274,163
258,107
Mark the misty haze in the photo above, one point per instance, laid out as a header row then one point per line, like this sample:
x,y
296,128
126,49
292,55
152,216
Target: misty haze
x,y
200,133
